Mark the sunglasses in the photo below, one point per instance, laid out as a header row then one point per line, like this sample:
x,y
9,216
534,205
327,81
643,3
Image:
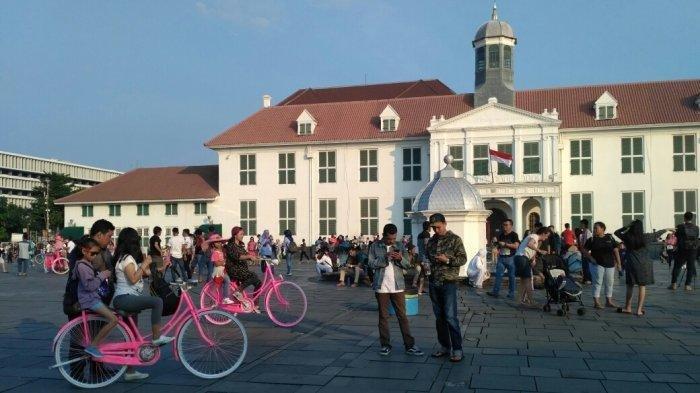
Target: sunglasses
x,y
94,253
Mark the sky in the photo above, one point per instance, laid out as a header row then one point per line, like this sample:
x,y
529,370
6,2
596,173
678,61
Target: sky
x,y
125,84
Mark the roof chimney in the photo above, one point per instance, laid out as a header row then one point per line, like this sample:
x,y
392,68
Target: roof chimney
x,y
266,101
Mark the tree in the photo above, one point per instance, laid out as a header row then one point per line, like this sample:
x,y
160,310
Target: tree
x,y
13,219
60,185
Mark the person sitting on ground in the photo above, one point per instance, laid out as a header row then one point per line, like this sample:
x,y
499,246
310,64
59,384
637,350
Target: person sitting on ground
x,y
573,259
88,296
236,263
351,266
323,262
217,257
419,273
476,270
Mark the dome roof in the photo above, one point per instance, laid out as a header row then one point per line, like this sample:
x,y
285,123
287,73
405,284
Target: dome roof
x,y
494,28
448,191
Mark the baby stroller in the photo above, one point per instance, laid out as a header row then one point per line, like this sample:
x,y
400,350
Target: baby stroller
x,y
561,288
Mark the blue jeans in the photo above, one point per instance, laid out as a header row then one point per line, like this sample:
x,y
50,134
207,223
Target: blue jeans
x,y
288,258
177,267
22,265
504,263
202,262
444,298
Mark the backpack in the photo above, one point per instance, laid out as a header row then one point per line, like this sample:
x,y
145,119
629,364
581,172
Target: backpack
x,y
691,237
292,248
160,288
71,306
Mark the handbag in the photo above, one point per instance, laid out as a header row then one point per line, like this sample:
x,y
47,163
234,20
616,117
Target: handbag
x,y
160,288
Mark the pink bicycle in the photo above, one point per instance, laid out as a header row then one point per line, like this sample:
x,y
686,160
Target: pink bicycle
x,y
285,301
55,262
206,350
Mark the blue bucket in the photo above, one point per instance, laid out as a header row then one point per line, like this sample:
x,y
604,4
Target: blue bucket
x,y
411,306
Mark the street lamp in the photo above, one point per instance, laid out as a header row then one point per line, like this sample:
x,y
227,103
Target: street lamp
x,y
46,205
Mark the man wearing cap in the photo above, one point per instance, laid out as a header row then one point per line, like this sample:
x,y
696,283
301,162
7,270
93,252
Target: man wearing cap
x,y
446,254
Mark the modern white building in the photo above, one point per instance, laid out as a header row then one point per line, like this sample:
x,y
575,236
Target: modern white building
x,y
347,160
20,173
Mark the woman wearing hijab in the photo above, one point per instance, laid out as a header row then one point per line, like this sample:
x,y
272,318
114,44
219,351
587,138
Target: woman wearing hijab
x,y
476,270
265,249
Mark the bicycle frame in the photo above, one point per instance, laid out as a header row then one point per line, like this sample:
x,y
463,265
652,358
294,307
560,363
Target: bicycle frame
x,y
126,353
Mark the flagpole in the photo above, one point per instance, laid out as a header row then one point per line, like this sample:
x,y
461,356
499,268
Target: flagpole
x,y
491,167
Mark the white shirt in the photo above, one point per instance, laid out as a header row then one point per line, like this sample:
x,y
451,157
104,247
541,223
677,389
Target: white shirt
x,y
188,243
524,250
388,281
124,286
71,246
325,261
175,243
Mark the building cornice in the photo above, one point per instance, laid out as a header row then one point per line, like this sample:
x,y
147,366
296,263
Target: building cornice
x,y
60,162
314,143
625,128
135,201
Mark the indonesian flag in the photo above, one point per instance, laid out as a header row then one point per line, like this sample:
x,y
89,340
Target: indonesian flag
x,y
502,157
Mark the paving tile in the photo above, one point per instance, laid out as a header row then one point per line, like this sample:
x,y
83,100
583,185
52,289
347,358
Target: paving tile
x,y
617,365
568,385
625,376
676,378
539,372
504,382
499,360
558,363
584,374
636,387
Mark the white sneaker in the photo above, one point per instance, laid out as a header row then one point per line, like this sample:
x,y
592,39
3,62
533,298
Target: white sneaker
x,y
162,340
135,376
227,301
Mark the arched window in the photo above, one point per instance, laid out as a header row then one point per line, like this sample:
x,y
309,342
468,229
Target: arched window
x,y
532,219
480,59
494,58
507,57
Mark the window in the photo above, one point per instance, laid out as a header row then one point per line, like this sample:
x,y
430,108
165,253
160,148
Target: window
x,y
247,169
287,172
115,235
369,217
200,208
684,153
389,125
457,153
326,167
87,210
633,155
606,112
507,57
531,157
143,232
684,201
327,217
481,160
411,164
505,169
288,216
581,157
142,209
115,210
632,206
368,165
249,217
304,129
581,207
171,209
480,59
407,204
494,58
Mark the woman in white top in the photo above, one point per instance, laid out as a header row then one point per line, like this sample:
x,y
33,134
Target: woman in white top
x,y
130,294
525,261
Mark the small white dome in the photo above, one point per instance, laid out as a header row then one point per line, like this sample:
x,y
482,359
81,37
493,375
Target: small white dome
x,y
448,191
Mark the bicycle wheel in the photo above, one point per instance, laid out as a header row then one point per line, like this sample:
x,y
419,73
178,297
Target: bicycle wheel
x,y
211,297
286,304
38,262
60,265
211,350
86,373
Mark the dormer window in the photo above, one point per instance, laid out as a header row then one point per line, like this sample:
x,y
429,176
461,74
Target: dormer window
x,y
606,107
389,119
306,123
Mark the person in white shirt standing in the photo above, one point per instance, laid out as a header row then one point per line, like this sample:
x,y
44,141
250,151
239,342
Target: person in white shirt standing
x,y
388,258
177,249
70,245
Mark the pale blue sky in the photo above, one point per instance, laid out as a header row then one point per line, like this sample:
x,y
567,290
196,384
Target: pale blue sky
x,y
122,84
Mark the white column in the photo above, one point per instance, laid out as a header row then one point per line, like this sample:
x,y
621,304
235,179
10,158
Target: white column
x,y
518,215
545,218
556,213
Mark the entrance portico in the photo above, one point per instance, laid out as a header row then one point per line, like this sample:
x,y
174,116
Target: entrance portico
x,y
522,201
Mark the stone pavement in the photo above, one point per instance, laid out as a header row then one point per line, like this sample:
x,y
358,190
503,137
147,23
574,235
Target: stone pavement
x,y
335,348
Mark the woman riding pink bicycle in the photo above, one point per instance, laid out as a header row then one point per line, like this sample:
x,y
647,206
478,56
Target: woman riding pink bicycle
x,y
236,263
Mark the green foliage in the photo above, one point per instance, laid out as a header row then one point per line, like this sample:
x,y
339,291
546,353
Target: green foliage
x,y
13,219
60,186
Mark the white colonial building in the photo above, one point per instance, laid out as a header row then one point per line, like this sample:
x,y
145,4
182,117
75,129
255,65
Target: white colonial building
x,y
347,160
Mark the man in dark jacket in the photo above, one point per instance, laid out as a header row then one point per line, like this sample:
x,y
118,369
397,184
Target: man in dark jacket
x,y
687,251
446,254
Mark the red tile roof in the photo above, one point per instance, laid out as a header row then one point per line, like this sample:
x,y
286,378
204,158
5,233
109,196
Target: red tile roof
x,y
638,104
419,88
153,184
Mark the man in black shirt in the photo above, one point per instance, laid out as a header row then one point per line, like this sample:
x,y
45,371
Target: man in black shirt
x,y
508,243
687,251
155,250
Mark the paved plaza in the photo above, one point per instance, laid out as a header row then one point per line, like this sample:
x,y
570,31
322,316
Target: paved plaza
x,y
335,348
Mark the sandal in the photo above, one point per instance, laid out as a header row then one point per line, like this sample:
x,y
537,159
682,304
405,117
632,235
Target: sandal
x,y
642,314
438,354
623,311
456,358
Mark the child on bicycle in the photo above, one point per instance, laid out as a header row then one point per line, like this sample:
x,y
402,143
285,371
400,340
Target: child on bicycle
x,y
88,296
217,258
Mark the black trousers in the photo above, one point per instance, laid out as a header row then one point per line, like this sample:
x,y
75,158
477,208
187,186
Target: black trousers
x,y
684,257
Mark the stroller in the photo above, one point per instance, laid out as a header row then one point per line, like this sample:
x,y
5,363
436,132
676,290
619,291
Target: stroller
x,y
561,288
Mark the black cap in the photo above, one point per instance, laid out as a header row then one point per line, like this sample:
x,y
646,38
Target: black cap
x,y
437,217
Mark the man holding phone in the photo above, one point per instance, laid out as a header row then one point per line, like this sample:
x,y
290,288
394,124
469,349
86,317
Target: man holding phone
x,y
446,254
388,258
